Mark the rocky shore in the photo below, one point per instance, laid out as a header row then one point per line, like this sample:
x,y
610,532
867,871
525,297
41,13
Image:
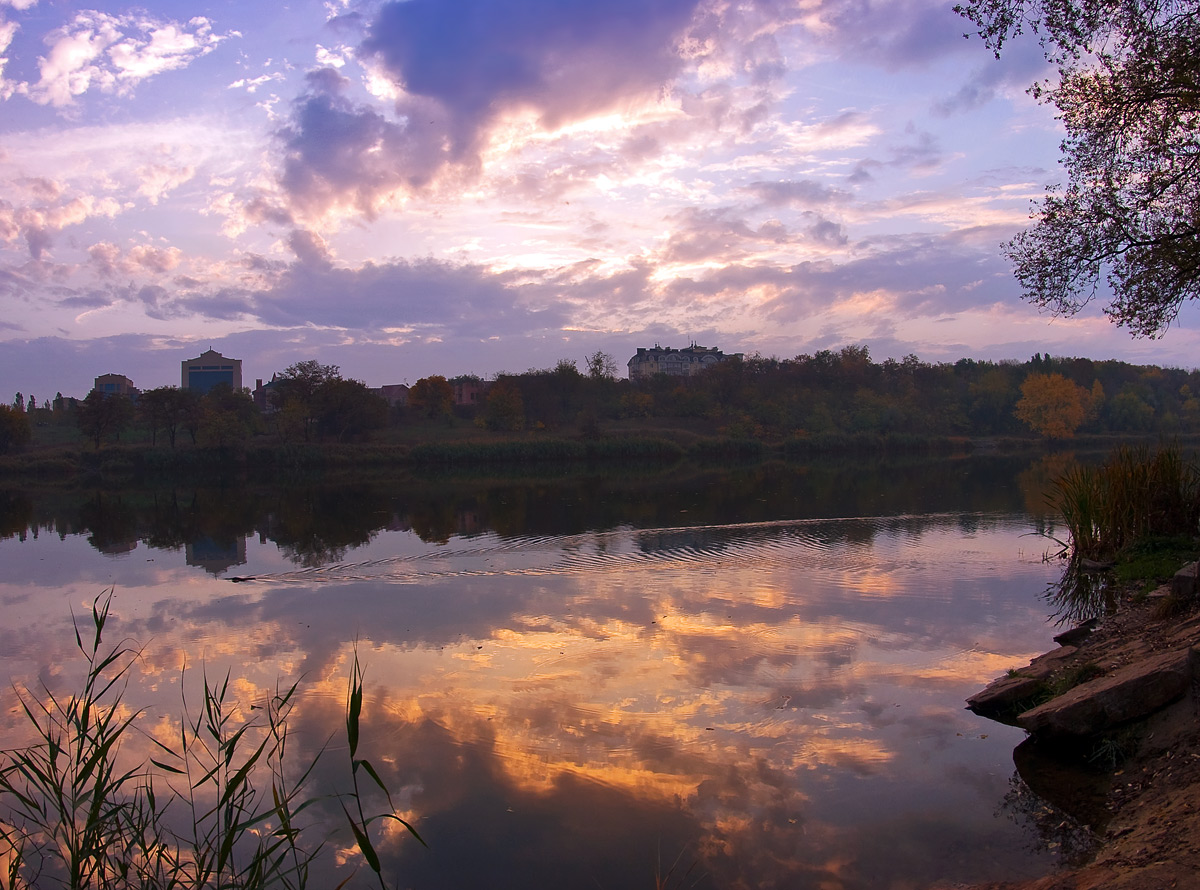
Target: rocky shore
x,y
1114,740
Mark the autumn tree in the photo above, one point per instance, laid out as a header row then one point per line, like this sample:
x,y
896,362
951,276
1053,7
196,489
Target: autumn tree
x,y
1128,96
1052,405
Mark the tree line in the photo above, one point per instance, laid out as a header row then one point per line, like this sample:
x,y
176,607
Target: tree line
x,y
829,392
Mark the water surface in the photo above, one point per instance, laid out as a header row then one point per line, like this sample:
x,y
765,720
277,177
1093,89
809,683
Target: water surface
x,y
755,677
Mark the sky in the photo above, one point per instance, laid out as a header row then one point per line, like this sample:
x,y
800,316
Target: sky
x,y
478,186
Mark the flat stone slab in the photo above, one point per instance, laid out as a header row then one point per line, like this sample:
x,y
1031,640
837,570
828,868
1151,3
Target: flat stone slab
x,y
1129,693
1004,698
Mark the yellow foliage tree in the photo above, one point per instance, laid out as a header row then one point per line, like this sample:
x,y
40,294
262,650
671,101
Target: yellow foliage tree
x,y
1052,405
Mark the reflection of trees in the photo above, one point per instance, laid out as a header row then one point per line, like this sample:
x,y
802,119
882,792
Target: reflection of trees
x,y
316,526
111,521
318,522
16,514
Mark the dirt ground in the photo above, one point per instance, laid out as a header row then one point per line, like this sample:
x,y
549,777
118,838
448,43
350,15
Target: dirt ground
x,y
1151,839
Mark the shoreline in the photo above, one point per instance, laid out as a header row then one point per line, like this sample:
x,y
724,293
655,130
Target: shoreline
x,y
1147,828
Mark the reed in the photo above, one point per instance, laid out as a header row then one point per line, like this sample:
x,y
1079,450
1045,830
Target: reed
x,y
220,807
1133,496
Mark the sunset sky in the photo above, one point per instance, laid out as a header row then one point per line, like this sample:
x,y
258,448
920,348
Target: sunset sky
x,y
475,186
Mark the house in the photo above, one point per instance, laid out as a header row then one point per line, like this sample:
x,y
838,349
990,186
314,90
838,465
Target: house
x,y
469,390
686,362
210,368
263,394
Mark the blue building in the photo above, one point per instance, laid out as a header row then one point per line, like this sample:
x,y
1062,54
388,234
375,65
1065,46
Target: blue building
x,y
203,373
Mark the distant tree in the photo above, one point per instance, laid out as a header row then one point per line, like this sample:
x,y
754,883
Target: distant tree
x,y
1052,405
601,365
169,409
227,416
101,415
347,409
504,408
14,429
1128,94
19,402
432,397
295,392
32,405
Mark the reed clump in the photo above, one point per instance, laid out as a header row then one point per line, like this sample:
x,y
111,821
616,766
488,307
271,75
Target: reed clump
x,y
1134,496
219,807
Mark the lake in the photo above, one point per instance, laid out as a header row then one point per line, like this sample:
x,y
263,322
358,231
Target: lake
x,y
717,678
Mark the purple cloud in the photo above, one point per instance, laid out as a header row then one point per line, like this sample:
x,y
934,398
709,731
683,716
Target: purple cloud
x,y
461,64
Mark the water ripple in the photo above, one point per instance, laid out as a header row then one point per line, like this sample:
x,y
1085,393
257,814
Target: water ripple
x,y
836,546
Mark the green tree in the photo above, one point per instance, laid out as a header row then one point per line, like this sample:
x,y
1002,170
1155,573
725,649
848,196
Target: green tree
x,y
1128,96
296,391
14,429
432,397
227,416
504,408
347,409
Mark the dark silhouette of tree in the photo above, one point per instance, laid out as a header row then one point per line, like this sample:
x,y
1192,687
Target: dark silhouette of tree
x,y
347,409
1128,96
101,415
14,429
295,395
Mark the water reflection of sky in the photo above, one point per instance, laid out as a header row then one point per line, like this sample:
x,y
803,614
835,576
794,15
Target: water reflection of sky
x,y
777,704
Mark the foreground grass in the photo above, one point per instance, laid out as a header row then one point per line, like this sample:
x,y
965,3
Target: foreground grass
x,y
218,808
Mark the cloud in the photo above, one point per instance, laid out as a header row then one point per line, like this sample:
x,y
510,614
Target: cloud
x,y
113,54
796,193
37,225
894,34
457,70
158,180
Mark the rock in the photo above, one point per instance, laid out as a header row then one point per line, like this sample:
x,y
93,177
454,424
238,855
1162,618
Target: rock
x,y
1077,635
1044,666
1184,584
1129,693
1006,697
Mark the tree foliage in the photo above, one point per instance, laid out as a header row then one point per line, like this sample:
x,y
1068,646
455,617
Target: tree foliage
x,y
14,429
101,415
1128,96
432,396
1052,405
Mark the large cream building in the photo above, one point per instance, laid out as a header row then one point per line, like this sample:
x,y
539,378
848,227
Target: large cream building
x,y
684,362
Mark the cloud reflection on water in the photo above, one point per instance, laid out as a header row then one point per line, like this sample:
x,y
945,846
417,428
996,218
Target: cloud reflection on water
x,y
781,702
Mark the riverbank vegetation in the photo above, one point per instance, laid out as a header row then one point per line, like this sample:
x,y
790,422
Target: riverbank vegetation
x,y
1134,497
219,805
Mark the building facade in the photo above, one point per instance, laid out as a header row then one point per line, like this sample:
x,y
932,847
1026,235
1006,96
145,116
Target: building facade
x,y
686,362
115,384
206,371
